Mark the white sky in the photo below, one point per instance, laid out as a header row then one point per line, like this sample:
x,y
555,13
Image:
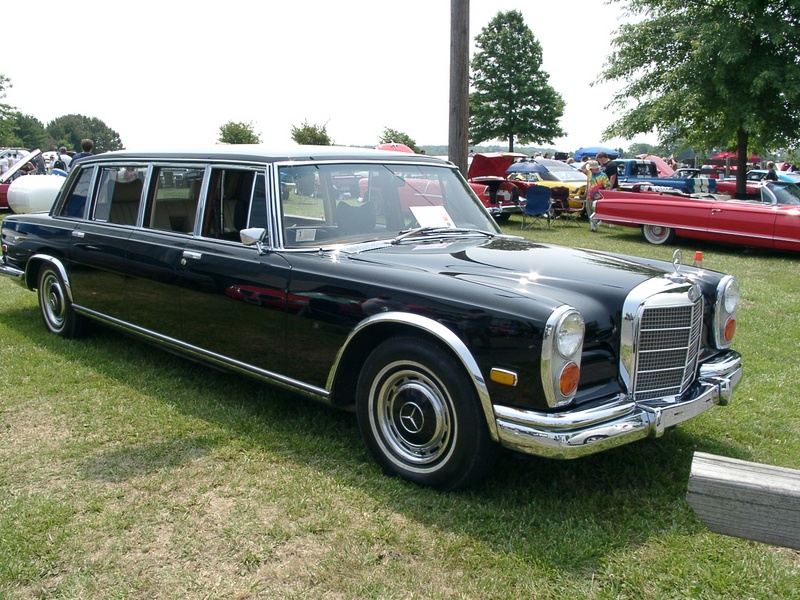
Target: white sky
x,y
168,74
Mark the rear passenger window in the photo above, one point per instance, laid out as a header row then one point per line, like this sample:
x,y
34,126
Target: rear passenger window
x,y
75,204
119,190
176,193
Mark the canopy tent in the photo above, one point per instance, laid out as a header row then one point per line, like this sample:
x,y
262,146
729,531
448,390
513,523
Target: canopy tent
x,y
726,154
394,147
591,152
526,166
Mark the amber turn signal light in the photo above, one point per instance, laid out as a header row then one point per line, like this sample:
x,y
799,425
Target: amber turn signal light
x,y
568,381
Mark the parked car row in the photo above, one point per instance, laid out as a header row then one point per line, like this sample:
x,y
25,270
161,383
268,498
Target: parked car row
x,y
377,282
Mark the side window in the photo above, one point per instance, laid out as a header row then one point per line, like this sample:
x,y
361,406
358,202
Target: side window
x,y
75,204
119,190
230,203
172,205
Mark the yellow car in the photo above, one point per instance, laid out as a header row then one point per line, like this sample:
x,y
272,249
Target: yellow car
x,y
554,173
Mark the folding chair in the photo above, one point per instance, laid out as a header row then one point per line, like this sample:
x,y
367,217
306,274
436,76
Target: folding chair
x,y
562,211
537,207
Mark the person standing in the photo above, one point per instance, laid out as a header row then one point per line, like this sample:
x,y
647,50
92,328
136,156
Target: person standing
x,y
771,175
86,150
609,167
62,160
597,180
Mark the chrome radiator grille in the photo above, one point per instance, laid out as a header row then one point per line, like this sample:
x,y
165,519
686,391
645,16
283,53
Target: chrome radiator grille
x,y
667,347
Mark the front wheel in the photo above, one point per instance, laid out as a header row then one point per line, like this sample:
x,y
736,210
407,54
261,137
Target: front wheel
x,y
420,416
657,234
57,313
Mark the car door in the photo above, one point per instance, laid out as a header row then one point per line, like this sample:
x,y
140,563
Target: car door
x,y
743,222
154,252
98,267
233,297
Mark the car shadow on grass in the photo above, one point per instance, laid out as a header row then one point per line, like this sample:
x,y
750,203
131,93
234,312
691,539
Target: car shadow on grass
x,y
566,514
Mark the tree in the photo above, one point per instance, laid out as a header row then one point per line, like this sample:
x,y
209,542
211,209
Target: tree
x,y
238,133
512,97
314,135
7,137
712,74
31,132
391,136
69,130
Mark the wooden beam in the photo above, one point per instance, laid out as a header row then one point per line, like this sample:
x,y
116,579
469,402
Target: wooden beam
x,y
746,500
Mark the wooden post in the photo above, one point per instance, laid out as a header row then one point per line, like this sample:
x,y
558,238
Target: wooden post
x,y
746,500
458,139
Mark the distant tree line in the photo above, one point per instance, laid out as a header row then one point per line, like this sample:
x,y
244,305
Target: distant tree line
x,y
25,131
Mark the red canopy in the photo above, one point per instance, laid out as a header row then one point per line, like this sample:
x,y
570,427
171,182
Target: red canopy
x,y
394,147
732,155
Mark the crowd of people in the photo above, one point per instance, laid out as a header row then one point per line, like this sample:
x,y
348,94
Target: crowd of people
x,y
57,162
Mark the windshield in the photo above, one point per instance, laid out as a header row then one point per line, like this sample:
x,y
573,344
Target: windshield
x,y
785,192
352,202
570,175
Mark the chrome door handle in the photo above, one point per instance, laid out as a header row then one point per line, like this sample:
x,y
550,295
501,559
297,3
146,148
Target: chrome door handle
x,y
78,234
188,254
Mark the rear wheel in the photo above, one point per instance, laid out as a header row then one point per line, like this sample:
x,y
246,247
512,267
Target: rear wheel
x,y
57,313
420,416
657,234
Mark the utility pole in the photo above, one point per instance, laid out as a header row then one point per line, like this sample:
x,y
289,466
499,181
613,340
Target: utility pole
x,y
458,142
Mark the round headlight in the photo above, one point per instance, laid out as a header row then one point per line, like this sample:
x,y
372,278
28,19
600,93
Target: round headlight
x,y
569,336
732,296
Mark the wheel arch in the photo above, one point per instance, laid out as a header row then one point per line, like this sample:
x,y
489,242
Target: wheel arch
x,y
34,267
344,374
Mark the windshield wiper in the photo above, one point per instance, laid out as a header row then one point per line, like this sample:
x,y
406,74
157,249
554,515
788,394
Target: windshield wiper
x,y
434,231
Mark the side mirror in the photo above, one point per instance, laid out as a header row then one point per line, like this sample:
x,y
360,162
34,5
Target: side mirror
x,y
254,236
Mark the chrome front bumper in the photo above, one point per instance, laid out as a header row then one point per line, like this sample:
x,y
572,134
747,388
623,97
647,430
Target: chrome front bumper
x,y
618,421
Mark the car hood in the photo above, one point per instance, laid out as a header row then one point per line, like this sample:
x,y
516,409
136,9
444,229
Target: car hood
x,y
492,164
507,272
6,177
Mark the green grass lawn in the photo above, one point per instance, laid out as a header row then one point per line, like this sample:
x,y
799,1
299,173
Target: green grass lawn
x,y
126,472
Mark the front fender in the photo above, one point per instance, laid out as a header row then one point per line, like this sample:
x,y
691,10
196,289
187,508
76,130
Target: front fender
x,y
430,328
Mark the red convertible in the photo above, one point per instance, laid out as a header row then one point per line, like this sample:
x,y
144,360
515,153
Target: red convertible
x,y
771,220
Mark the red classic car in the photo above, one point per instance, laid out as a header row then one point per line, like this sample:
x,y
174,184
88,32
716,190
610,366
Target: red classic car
x,y
487,178
771,220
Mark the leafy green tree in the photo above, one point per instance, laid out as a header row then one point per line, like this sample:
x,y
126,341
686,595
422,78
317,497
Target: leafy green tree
x,y
390,136
314,135
69,130
31,132
7,136
713,74
512,97
238,133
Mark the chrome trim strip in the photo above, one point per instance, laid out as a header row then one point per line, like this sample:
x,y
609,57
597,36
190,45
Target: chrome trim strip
x,y
617,422
265,375
443,334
